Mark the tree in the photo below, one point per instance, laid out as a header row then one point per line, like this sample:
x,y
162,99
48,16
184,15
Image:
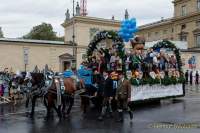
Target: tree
x,y
43,31
1,33
60,38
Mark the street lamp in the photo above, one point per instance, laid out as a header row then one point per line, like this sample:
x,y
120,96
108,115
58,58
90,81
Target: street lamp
x,y
73,36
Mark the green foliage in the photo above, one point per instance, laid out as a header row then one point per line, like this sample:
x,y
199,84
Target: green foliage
x,y
102,35
135,82
150,81
60,39
181,80
156,81
164,44
166,81
168,44
43,31
144,81
106,35
1,33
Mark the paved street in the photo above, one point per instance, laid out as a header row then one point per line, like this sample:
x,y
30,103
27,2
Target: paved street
x,y
171,116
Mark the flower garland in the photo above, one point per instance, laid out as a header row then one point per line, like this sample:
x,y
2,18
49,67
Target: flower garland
x,y
166,80
168,44
150,81
117,41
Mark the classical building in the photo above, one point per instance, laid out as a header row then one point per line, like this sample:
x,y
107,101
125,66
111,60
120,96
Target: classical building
x,y
19,54
183,26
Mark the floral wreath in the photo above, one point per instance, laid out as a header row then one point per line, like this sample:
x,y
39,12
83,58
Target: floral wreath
x,y
102,35
168,44
165,80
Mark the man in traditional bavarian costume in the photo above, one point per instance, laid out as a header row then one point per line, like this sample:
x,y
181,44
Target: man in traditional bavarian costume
x,y
123,97
107,96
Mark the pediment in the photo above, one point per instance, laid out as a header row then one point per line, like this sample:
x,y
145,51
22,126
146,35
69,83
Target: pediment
x,y
66,56
196,31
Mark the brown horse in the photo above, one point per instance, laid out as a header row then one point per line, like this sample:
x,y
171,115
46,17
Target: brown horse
x,y
51,97
66,97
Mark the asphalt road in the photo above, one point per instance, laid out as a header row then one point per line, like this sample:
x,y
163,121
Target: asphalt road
x,y
179,115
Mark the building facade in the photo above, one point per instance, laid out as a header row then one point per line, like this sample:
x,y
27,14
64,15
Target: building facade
x,y
18,54
183,26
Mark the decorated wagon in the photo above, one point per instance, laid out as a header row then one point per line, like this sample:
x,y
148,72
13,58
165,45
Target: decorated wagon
x,y
154,73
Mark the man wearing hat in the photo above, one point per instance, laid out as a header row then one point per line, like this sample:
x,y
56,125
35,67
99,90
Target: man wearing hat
x,y
107,95
123,96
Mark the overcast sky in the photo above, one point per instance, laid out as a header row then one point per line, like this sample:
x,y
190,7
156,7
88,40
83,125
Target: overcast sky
x,y
17,17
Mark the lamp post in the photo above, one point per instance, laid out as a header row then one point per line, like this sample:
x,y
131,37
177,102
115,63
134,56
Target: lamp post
x,y
73,36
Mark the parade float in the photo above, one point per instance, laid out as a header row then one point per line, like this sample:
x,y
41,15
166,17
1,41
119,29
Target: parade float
x,y
161,74
154,73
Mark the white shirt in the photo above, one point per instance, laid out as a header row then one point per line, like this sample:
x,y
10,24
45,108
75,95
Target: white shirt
x,y
105,77
155,60
122,80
